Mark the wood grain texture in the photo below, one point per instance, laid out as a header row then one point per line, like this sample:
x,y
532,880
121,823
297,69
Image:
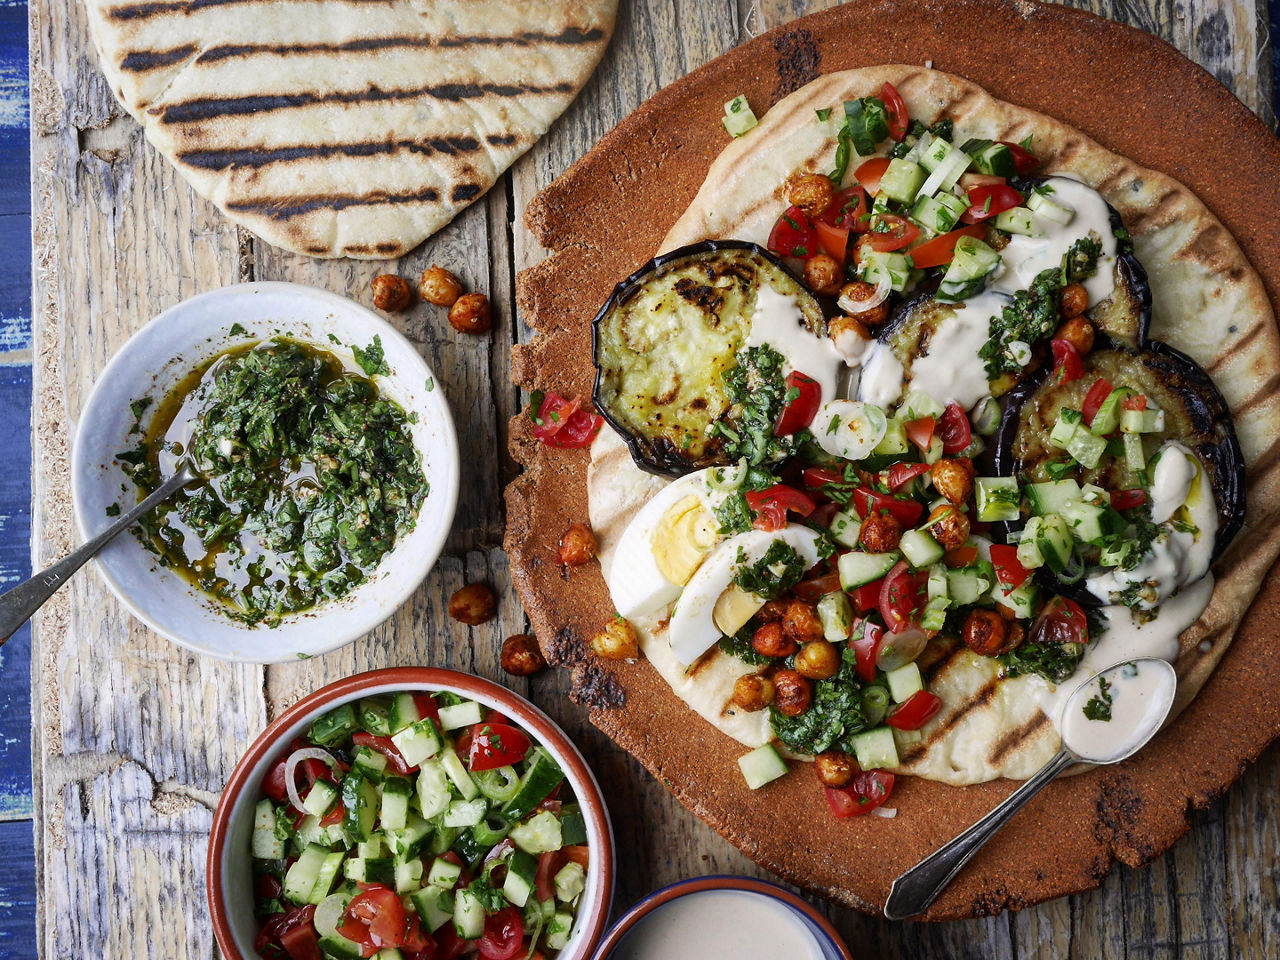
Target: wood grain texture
x,y
134,737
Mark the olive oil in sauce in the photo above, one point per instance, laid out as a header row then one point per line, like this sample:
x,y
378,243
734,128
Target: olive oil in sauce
x,y
308,476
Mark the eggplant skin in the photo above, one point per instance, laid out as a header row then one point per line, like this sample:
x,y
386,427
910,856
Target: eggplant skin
x,y
1195,414
664,339
1125,316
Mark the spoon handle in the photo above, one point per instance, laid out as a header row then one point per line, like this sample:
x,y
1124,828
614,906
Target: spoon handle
x,y
915,890
17,605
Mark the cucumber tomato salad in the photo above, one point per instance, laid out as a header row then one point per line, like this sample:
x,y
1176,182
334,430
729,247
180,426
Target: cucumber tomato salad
x,y
416,826
977,447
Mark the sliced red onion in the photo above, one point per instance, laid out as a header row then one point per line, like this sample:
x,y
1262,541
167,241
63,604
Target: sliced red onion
x,y
291,766
887,812
899,649
500,850
883,286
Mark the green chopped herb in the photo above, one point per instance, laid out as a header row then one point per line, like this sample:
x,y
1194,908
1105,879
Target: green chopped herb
x,y
371,359
112,510
824,114
238,331
1053,661
1099,707
773,574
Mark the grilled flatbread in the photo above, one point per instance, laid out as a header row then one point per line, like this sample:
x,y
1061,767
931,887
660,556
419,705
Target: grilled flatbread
x,y
1208,302
346,127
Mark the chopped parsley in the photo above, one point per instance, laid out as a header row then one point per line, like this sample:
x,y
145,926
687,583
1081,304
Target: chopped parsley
x,y
837,713
866,125
739,645
1053,661
757,392
773,574
1099,707
112,510
371,359
238,331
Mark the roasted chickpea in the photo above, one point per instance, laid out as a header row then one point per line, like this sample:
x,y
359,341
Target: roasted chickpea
x,y
391,292
811,192
752,692
1073,300
473,605
1078,332
521,656
822,275
792,693
953,478
470,314
880,533
986,632
577,546
616,640
801,622
771,641
437,285
818,660
862,249
834,769
849,335
948,525
771,611
857,292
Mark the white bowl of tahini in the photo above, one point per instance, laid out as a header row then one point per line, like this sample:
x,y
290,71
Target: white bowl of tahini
x,y
159,359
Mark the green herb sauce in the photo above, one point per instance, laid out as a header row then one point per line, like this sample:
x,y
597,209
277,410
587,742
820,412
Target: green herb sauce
x,y
308,477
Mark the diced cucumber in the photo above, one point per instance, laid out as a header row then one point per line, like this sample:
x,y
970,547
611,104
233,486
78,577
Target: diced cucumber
x,y
1135,457
857,569
895,266
986,416
1019,220
434,906
402,713
370,870
559,929
904,682
522,871
1021,600
934,152
1029,554
388,953
300,878
998,498
875,749
395,802
1107,418
937,582
1053,537
539,834
894,442
418,742
1048,209
375,846
573,825
1065,427
326,875
457,772
933,214
460,715
991,158
320,798
1150,420
442,838
265,845
469,848
920,549
334,946
465,813
375,716
935,451
966,586
541,777
369,762
1086,448
846,528
408,876
902,179
413,839
360,806
444,873
836,615
311,831
1052,496
934,616
972,260
468,915
738,116
947,173
498,785
433,788
570,881
917,404
762,765
333,727
1084,520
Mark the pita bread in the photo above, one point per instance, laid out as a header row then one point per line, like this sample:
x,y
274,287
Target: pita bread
x,y
346,127
1208,302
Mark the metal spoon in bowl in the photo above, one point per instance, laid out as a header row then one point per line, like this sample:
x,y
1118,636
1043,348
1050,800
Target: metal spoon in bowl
x,y
1138,696
18,605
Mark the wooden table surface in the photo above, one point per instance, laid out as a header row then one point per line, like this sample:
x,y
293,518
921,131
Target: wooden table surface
x,y
133,737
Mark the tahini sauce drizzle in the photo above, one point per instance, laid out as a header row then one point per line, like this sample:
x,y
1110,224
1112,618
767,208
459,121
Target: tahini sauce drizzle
x,y
719,924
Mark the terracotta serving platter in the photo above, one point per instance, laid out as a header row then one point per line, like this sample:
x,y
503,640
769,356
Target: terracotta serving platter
x,y
605,216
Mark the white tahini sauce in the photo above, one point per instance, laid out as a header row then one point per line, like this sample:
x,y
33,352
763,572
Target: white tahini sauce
x,y
1171,480
715,924
952,369
881,381
1140,696
1025,257
778,322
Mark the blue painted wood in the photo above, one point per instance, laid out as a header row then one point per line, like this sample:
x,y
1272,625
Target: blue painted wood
x,y
17,891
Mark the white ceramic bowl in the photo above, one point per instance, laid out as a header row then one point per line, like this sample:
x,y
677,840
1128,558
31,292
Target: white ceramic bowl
x,y
154,360
229,877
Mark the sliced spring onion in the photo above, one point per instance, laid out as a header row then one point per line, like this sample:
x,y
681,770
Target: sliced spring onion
x,y
727,479
945,175
884,284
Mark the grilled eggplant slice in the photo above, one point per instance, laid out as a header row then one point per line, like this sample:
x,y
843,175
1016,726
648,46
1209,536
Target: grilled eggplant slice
x,y
1195,414
665,338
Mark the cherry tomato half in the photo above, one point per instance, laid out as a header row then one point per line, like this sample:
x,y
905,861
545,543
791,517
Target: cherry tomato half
x,y
867,502
503,935
771,505
1099,392
375,917
866,647
915,711
1024,161
868,790
900,474
834,241
870,172
892,232
867,596
815,588
899,597
985,201
562,423
301,943
799,412
1009,569
495,745
1128,499
1061,621
920,431
549,865
1067,365
847,210
954,429
941,249
897,111
793,235
387,748
1134,403
281,923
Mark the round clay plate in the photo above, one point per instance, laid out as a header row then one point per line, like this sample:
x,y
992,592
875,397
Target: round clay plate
x,y
1065,63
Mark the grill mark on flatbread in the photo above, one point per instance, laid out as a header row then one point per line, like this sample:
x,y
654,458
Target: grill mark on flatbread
x,y
1013,738
208,108
939,666
981,697
704,661
465,191
142,61
1266,460
144,11
1261,394
265,156
286,208
1232,349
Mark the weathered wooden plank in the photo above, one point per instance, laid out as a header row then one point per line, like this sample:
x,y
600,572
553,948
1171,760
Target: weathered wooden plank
x,y
1253,861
